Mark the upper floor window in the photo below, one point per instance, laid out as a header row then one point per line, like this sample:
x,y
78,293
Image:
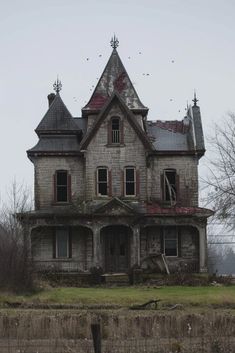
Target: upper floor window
x,y
130,181
115,125
102,181
170,189
62,186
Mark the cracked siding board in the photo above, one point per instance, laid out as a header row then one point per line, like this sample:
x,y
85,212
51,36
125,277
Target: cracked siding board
x,y
115,158
45,168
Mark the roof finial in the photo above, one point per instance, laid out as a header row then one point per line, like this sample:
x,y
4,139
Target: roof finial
x,y
57,85
195,100
114,42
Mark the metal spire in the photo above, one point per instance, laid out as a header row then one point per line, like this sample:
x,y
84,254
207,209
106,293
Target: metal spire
x,y
57,85
114,42
195,100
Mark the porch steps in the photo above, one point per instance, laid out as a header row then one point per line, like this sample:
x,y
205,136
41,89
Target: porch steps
x,y
118,279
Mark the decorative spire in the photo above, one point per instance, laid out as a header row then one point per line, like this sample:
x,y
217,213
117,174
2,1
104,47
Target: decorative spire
x,y
114,42
195,100
57,85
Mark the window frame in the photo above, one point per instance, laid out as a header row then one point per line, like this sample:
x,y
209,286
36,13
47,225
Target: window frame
x,y
56,243
173,201
101,182
67,186
118,131
176,238
134,182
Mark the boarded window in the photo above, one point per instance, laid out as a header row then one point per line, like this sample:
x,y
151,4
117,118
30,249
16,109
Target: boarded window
x,y
115,130
102,181
130,181
62,243
170,185
170,241
62,186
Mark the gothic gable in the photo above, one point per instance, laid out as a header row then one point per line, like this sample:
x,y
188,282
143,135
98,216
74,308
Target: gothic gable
x,y
115,207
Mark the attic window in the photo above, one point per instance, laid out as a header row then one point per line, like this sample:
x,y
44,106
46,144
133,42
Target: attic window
x,y
61,186
130,181
102,181
115,125
170,185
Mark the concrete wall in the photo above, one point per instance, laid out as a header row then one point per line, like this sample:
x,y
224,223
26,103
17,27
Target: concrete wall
x,y
59,331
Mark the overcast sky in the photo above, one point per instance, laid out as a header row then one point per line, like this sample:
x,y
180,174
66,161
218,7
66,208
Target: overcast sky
x,y
184,44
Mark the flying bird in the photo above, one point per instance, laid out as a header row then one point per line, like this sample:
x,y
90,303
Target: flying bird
x,y
140,52
172,61
87,59
100,55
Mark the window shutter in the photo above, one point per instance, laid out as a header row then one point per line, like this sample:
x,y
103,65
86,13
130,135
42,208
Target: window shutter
x,y
179,241
110,183
122,132
110,132
54,188
137,182
69,189
70,243
178,200
162,240
162,187
122,182
54,244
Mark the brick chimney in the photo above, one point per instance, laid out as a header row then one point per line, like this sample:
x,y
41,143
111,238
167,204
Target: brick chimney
x,y
50,98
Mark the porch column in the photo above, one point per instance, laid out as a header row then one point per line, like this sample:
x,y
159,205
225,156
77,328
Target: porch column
x,y
135,251
202,250
96,247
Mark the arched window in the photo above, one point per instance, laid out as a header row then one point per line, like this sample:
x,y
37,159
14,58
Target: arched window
x,y
115,130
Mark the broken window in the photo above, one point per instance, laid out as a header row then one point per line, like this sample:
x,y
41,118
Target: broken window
x,y
170,241
170,185
62,186
102,181
62,243
130,181
115,124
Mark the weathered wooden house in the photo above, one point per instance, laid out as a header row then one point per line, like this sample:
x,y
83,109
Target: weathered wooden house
x,y
114,190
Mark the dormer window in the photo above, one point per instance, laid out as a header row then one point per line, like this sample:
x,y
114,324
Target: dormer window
x,y
115,125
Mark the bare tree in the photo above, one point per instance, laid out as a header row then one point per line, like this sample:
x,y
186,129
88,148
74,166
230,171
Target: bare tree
x,y
221,179
15,262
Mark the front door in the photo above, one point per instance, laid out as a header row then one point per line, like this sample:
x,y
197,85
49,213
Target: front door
x,y
116,249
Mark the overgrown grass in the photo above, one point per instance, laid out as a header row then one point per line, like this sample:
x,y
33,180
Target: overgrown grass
x,y
126,296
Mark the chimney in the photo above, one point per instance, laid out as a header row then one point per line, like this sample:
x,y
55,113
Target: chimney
x,y
50,98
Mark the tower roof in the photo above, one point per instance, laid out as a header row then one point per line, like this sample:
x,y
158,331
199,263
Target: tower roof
x,y
57,119
114,78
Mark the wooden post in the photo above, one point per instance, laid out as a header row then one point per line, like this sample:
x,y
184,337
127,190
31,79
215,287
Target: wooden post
x,y
96,335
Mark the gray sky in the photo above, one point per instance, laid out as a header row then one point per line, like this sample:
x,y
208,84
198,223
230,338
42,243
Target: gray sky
x,y
40,39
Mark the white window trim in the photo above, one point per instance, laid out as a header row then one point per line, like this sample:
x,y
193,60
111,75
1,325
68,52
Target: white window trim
x,y
97,181
62,257
134,195
177,244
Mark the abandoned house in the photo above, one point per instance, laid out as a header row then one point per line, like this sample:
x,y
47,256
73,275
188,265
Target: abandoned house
x,y
114,190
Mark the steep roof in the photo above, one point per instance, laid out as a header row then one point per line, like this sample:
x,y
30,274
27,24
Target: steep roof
x,y
115,97
57,119
114,78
